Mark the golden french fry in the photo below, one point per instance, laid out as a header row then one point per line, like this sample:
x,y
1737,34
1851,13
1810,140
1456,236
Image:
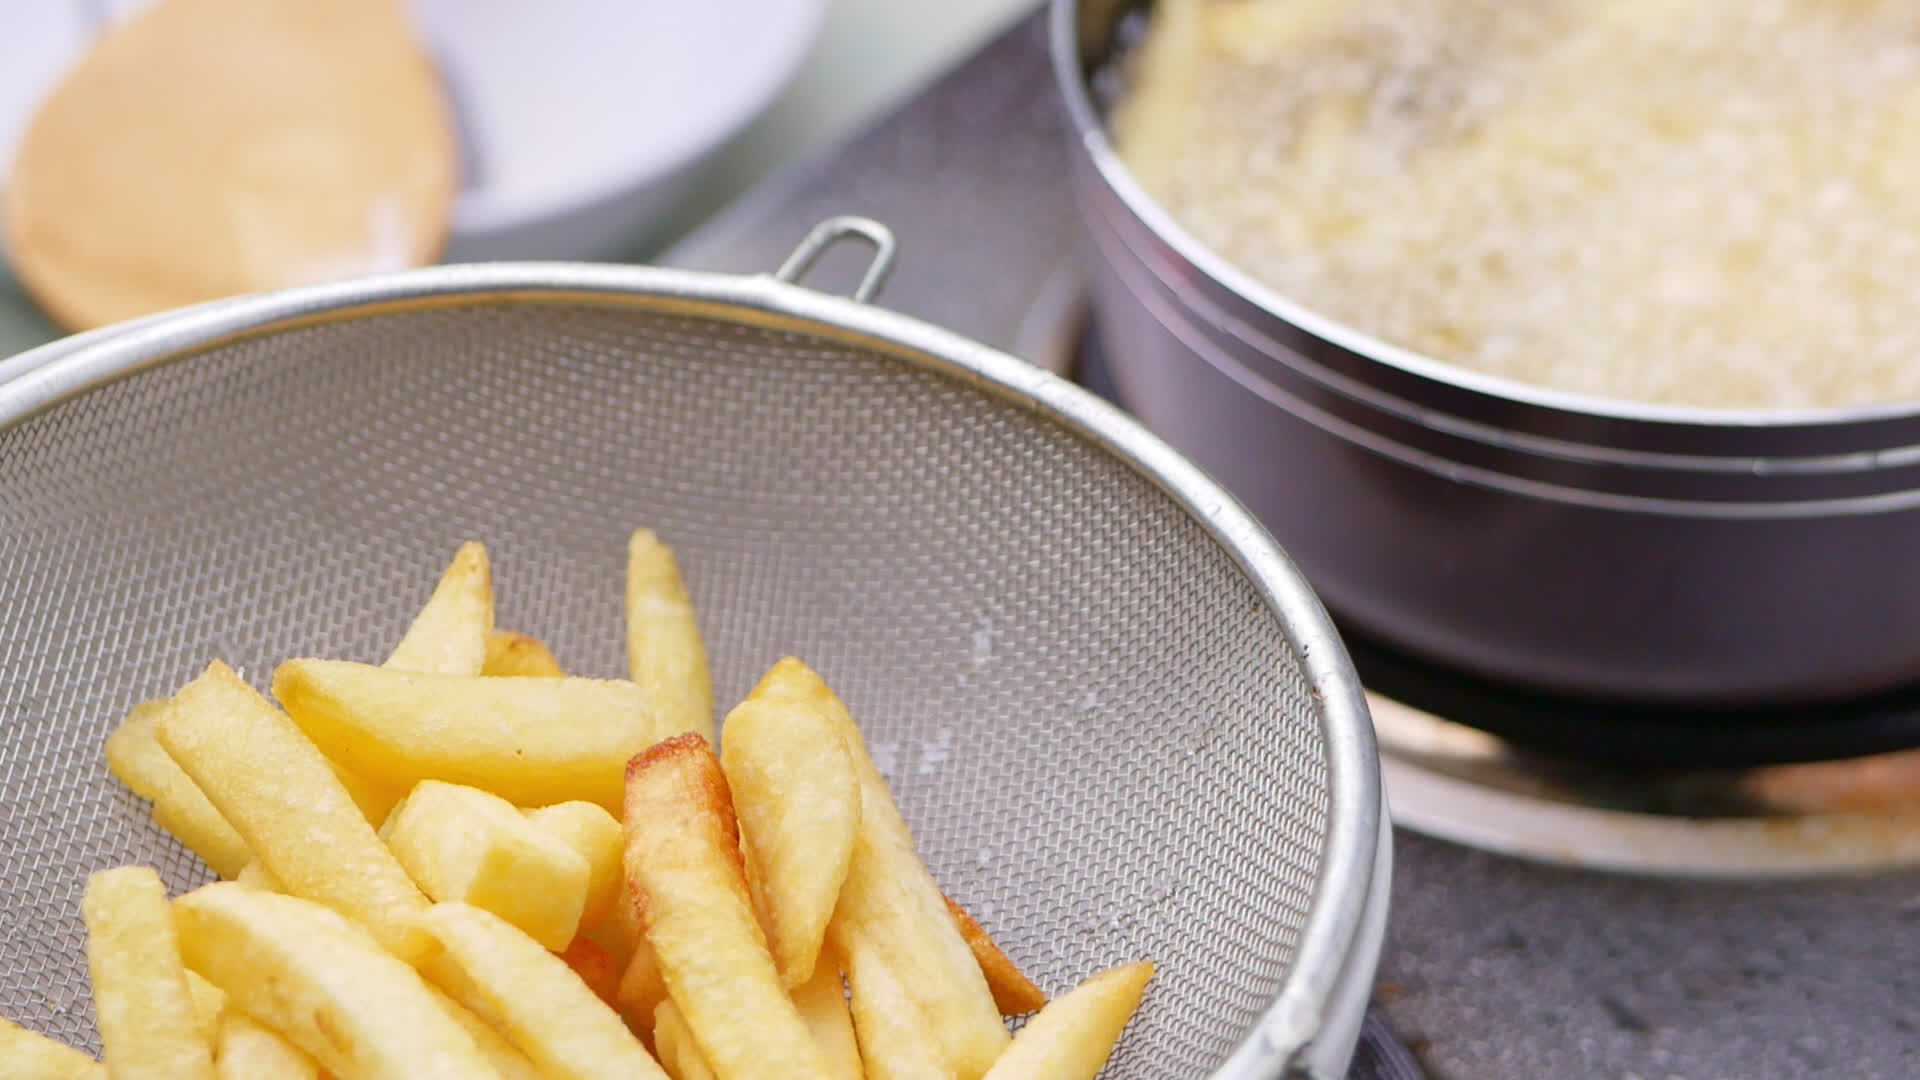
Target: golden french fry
x,y
822,1001
893,916
135,756
248,1051
209,1001
277,790
624,920
30,1055
642,988
799,808
1074,1035
665,653
530,741
895,1039
673,1041
511,1064
376,801
461,843
140,994
689,882
597,836
255,875
542,1007
510,652
449,636
595,968
324,983
1013,992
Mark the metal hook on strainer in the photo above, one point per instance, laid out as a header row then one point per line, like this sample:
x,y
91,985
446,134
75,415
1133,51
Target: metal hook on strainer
x,y
832,231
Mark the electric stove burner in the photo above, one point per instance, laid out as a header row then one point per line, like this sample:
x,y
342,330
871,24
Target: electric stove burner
x,y
1772,792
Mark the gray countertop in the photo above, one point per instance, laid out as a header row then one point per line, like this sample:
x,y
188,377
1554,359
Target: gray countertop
x,y
1494,969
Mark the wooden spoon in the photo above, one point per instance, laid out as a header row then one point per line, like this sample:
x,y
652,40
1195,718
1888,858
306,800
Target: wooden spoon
x,y
206,148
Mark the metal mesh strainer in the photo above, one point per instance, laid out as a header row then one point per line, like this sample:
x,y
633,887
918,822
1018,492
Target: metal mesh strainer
x,y
1119,722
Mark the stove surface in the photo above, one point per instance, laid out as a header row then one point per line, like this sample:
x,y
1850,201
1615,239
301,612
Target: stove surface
x,y
1495,968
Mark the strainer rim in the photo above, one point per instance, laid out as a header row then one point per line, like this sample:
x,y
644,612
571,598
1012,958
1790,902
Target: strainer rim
x,y
1284,1038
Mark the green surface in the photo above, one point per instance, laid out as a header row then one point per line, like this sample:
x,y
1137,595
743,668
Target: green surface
x,y
22,326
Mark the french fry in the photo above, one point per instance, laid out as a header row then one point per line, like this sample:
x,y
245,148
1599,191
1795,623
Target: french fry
x,y
673,1041
209,1001
449,636
277,790
905,960
528,993
595,968
530,741
597,836
683,859
642,988
140,994
510,652
894,1038
30,1055
1074,1035
1013,992
822,1001
665,653
324,984
511,1064
376,801
255,875
248,1051
799,809
461,843
135,756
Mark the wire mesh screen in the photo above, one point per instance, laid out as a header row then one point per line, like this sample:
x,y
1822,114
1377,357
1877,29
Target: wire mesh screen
x,y
1099,732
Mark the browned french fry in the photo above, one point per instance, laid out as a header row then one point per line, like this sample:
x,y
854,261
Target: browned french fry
x,y
449,636
595,968
799,808
1013,992
30,1055
1074,1035
683,857
917,989
665,653
279,792
510,652
140,994
822,1001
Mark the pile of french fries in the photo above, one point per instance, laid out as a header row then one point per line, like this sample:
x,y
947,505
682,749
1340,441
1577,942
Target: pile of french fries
x,y
465,863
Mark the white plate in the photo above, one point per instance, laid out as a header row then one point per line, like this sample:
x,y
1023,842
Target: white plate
x,y
580,119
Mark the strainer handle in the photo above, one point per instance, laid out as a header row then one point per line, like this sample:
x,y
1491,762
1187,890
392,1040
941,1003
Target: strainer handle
x,y
832,231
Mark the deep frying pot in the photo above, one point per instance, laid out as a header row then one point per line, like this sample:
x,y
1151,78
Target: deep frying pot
x,y
1574,544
